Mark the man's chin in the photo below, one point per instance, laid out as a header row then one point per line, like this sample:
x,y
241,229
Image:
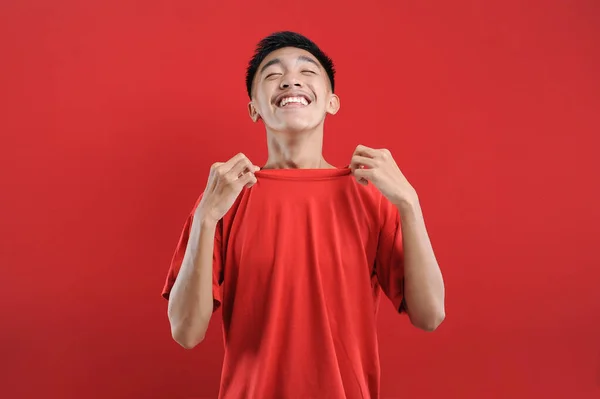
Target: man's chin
x,y
296,127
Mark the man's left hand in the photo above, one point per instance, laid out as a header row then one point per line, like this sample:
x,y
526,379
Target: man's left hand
x,y
378,167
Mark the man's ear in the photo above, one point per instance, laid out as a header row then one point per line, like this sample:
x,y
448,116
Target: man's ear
x,y
253,112
333,106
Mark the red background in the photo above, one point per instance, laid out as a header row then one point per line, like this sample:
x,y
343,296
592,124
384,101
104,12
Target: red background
x,y
112,111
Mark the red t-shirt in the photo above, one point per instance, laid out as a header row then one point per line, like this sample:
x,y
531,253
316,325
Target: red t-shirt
x,y
300,261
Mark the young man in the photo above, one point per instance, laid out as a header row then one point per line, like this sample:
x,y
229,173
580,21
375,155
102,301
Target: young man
x,y
297,252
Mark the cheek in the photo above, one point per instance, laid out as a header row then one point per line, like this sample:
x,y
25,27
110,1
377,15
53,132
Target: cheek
x,y
263,99
324,100
322,93
261,104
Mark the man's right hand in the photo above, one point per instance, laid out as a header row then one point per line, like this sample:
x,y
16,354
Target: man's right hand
x,y
225,182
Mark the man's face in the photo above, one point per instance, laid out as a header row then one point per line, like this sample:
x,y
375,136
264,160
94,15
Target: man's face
x,y
291,92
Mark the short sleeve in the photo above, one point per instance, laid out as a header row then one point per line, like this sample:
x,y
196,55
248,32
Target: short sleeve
x,y
179,254
389,262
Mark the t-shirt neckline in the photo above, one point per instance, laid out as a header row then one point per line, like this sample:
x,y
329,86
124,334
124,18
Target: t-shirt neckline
x,y
303,173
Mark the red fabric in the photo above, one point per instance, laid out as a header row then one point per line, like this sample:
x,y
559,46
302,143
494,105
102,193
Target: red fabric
x,y
299,264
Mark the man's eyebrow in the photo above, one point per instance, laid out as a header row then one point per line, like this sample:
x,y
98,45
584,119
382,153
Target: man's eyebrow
x,y
276,61
306,59
268,64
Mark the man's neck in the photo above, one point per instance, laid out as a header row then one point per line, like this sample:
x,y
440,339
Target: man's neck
x,y
296,151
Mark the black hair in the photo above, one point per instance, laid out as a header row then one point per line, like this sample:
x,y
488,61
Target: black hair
x,y
279,40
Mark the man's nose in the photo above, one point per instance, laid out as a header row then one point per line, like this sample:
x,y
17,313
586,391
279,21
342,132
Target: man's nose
x,y
290,81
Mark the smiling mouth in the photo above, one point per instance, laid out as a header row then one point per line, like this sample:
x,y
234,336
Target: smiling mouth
x,y
293,102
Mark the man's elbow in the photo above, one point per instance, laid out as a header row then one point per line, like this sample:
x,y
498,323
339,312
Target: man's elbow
x,y
186,339
430,322
186,334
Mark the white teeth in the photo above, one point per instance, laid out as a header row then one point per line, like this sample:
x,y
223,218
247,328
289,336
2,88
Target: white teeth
x,y
299,100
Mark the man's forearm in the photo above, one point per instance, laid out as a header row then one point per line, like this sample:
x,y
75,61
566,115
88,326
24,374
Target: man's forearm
x,y
423,282
191,299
